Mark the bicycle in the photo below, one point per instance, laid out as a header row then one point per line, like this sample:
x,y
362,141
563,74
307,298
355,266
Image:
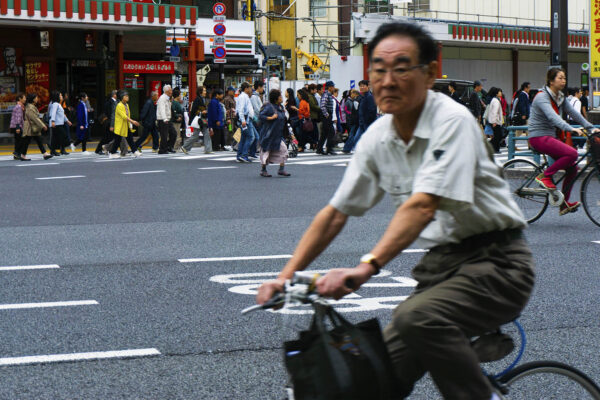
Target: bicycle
x,y
532,380
533,200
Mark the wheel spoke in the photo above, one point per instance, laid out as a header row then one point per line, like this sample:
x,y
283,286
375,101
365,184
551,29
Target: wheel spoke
x,y
529,196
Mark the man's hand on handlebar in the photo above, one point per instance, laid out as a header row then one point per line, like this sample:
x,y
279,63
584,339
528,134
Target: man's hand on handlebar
x,y
268,290
578,131
335,283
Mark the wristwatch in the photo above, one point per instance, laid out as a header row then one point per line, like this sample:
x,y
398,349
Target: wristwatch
x,y
370,259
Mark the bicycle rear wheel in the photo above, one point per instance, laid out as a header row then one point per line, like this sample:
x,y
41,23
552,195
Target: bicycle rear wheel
x,y
527,193
549,380
590,196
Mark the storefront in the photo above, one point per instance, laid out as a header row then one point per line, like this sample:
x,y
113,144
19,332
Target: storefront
x,y
81,46
144,77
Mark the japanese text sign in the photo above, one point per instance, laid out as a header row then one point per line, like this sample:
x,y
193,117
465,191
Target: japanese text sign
x,y
148,67
595,39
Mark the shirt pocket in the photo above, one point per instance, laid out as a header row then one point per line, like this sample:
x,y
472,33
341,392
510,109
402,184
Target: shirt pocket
x,y
398,187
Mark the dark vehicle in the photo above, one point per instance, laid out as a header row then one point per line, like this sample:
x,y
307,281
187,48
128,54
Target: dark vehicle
x,y
464,88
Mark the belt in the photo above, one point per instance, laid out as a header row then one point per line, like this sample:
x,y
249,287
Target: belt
x,y
482,239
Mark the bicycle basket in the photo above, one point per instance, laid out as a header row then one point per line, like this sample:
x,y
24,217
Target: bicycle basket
x,y
348,362
594,141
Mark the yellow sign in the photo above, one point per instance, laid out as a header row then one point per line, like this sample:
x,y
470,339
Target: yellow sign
x,y
315,62
595,39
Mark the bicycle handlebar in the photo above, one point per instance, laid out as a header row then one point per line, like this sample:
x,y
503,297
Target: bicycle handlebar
x,y
300,289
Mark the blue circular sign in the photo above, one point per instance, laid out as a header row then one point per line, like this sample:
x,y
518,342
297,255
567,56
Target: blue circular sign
x,y
219,52
174,50
219,29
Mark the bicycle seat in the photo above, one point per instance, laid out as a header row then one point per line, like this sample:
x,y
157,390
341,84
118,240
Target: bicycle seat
x,y
493,346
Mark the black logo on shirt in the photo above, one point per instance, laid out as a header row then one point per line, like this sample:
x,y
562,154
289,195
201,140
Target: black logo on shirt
x,y
437,154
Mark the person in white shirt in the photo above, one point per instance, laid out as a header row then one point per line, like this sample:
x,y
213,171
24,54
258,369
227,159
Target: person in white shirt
x,y
165,126
428,154
245,113
495,117
575,100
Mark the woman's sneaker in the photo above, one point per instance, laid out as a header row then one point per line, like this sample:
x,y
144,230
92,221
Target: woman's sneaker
x,y
545,181
567,207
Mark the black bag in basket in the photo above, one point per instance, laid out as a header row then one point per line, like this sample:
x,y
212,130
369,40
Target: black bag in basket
x,y
594,141
348,362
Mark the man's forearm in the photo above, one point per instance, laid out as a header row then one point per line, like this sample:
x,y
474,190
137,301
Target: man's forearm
x,y
325,227
405,227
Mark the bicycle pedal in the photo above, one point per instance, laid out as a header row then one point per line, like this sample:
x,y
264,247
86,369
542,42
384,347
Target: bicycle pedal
x,y
556,197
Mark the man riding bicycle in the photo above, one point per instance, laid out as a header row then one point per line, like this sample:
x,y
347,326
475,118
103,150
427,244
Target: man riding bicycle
x,y
546,118
428,153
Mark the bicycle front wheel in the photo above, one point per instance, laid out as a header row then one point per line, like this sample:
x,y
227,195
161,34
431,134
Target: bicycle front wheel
x,y
549,380
590,196
527,193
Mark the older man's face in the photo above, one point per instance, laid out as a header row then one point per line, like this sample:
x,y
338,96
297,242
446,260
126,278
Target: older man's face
x,y
399,84
10,57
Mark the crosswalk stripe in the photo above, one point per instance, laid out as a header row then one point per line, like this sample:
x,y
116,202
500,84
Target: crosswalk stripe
x,y
28,267
18,306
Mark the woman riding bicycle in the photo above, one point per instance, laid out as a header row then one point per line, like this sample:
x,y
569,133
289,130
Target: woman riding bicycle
x,y
546,119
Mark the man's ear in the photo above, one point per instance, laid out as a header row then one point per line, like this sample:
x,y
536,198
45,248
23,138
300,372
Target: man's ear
x,y
431,73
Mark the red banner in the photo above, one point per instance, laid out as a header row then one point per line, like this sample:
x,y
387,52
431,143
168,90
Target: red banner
x,y
148,67
37,79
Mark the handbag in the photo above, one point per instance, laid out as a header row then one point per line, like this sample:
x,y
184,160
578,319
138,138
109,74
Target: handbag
x,y
347,362
307,125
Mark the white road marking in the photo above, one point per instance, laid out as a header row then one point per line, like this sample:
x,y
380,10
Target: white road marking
x,y
191,260
316,162
61,177
97,355
225,159
143,172
38,164
341,165
48,305
415,251
26,267
115,159
231,167
596,241
199,157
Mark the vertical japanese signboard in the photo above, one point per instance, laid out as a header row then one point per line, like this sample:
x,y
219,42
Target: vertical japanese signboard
x,y
595,39
37,79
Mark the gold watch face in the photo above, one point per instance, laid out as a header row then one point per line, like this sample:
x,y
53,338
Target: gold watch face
x,y
367,258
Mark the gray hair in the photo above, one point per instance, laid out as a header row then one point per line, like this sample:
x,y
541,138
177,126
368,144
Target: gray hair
x,y
113,93
154,93
166,87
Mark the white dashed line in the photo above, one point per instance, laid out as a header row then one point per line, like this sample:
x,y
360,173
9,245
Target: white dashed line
x,y
26,267
38,164
192,260
19,306
143,172
61,177
218,167
97,355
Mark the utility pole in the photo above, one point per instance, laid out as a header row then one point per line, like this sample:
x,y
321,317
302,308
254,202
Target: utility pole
x,y
559,28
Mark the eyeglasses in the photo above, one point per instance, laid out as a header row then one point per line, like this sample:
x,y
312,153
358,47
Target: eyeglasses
x,y
398,73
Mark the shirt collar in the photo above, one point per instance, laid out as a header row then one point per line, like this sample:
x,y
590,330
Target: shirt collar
x,y
558,99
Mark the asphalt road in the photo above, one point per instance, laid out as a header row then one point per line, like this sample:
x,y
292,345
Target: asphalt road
x,y
136,269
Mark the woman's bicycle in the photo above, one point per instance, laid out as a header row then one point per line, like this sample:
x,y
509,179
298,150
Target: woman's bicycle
x,y
531,380
533,200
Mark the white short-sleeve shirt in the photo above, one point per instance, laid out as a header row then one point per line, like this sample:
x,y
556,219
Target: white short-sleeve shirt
x,y
447,157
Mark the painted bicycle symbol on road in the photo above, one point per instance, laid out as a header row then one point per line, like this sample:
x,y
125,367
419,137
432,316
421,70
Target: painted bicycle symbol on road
x,y
248,283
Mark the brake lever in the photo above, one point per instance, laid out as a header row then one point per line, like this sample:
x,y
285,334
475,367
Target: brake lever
x,y
272,302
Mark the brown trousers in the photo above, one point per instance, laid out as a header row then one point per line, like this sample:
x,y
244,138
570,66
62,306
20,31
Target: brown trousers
x,y
464,290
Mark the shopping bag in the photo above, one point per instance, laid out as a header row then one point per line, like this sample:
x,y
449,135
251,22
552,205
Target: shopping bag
x,y
348,362
237,136
307,125
189,131
196,122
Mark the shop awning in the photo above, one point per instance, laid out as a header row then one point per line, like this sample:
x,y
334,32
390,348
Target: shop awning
x,y
113,14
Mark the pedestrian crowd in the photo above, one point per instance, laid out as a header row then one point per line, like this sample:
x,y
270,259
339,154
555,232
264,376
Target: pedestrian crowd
x,y
256,125
496,114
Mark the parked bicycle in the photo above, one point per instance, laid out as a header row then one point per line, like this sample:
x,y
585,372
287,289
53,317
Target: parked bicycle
x,y
533,200
531,380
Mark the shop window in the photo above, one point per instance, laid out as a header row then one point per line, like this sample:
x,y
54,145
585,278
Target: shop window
x,y
419,5
317,8
318,46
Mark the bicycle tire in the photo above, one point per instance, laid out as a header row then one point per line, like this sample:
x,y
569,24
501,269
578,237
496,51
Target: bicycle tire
x,y
520,174
579,384
590,197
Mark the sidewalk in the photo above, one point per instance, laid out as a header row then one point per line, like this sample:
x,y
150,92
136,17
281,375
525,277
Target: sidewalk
x,y
7,149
